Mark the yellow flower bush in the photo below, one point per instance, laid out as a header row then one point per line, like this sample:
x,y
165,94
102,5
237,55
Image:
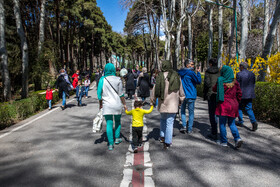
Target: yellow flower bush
x,y
273,64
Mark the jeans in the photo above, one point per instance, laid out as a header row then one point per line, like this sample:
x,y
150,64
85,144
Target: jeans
x,y
79,98
166,126
223,132
211,110
63,99
86,90
137,135
109,129
247,103
49,103
190,103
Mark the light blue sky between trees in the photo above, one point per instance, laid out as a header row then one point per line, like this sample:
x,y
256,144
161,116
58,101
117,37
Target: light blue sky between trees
x,y
113,13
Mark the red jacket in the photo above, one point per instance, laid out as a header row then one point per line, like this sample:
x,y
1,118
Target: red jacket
x,y
49,95
75,75
231,102
75,82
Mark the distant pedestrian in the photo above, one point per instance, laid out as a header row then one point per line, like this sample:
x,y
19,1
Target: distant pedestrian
x,y
228,97
137,123
49,96
63,87
169,91
130,86
210,80
144,84
87,84
247,82
111,97
80,92
189,81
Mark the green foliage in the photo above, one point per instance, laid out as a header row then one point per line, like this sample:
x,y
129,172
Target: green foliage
x,y
266,105
14,111
202,47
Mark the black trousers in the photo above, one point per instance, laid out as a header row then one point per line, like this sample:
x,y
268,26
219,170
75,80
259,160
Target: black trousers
x,y
211,109
130,93
137,135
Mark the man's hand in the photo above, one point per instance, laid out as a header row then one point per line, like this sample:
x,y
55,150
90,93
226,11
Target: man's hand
x,y
198,69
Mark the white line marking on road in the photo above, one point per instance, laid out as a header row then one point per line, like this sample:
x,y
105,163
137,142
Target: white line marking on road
x,y
30,122
127,172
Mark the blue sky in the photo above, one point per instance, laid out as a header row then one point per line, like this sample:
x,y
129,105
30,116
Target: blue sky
x,y
113,13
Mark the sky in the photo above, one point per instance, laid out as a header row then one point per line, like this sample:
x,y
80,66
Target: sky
x,y
113,13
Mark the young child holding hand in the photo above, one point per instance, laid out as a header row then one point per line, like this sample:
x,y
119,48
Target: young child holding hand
x,y
137,123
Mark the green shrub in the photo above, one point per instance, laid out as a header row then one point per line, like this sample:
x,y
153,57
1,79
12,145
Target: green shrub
x,y
266,105
13,111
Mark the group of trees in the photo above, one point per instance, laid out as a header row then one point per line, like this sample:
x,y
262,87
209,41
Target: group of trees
x,y
199,30
39,37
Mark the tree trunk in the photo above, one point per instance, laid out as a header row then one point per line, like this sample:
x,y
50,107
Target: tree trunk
x,y
3,56
270,38
232,32
24,50
190,37
220,47
41,27
266,21
210,33
277,38
167,28
244,29
183,7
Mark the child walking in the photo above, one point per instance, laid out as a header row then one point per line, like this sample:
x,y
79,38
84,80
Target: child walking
x,y
80,91
49,96
87,84
137,123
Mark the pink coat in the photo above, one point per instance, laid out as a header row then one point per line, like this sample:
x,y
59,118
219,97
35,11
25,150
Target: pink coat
x,y
231,102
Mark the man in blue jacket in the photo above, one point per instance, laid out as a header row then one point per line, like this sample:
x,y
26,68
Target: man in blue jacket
x,y
247,81
189,81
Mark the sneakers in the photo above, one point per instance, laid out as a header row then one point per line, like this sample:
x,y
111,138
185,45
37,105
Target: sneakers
x,y
110,147
135,150
118,141
161,139
255,126
166,146
238,143
240,124
50,108
62,107
224,144
183,129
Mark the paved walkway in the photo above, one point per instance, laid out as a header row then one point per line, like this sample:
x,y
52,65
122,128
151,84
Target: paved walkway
x,y
59,149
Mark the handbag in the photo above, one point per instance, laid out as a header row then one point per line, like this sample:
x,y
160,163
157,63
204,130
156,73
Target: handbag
x,y
97,122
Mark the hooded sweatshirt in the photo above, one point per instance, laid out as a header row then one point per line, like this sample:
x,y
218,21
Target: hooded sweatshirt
x,y
189,81
210,80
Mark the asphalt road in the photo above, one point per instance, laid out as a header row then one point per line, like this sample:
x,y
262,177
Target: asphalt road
x,y
59,149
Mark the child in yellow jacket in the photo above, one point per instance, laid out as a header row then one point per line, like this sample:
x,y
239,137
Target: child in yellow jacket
x,y
137,123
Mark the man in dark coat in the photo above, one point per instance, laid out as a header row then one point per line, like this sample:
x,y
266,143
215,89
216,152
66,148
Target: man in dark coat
x,y
210,79
63,87
247,81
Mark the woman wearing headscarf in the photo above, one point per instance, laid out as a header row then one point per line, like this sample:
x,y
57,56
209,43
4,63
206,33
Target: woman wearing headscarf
x,y
144,84
228,97
170,94
130,86
111,99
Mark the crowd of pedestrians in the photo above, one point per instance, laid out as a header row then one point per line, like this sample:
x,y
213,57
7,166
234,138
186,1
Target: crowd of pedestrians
x,y
172,92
